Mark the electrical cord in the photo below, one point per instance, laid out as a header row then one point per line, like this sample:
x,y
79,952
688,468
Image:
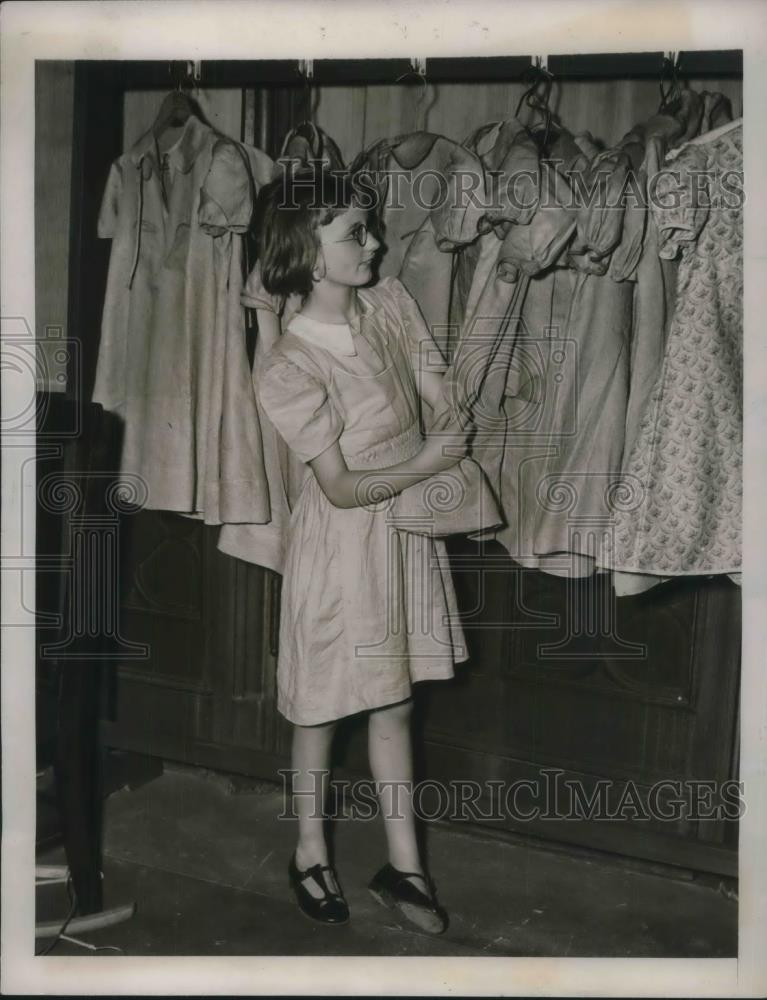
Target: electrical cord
x,y
60,933
91,947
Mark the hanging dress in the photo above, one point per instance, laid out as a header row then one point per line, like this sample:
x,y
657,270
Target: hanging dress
x,y
537,358
594,406
491,365
308,145
434,198
510,160
585,425
172,361
654,298
264,542
681,509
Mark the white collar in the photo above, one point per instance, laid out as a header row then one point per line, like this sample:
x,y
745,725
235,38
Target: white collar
x,y
333,337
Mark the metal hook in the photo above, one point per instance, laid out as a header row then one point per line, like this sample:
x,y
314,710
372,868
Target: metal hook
x,y
186,74
420,75
541,77
306,69
670,65
419,71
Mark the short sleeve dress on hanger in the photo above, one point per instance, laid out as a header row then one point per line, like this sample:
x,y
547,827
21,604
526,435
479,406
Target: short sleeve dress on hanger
x,y
435,199
588,416
492,361
172,361
264,543
683,478
367,608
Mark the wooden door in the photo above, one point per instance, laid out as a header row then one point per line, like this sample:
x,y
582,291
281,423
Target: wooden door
x,y
553,697
205,694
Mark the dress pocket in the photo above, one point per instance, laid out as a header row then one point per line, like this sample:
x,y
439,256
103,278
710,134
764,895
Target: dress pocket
x,y
376,405
361,392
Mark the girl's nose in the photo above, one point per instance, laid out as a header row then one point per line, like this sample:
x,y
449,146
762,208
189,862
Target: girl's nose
x,y
371,243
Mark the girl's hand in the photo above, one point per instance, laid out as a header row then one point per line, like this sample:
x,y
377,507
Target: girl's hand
x,y
351,488
446,434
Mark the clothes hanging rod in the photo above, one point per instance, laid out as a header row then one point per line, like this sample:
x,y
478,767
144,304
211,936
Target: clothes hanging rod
x,y
692,65
140,75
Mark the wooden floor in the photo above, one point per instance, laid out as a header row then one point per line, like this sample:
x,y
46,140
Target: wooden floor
x,y
205,860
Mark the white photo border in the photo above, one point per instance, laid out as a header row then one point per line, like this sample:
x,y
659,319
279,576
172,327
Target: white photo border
x,y
253,29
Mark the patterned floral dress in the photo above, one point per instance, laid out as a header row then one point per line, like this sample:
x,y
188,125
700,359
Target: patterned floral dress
x,y
679,512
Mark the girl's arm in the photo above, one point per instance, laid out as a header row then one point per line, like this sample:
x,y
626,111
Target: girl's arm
x,y
269,328
430,390
359,488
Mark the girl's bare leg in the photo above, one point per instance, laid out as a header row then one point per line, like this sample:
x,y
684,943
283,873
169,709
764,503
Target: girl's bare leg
x,y
311,761
391,763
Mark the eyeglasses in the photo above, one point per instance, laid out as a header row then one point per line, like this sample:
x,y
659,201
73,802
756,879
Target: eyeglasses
x,y
359,233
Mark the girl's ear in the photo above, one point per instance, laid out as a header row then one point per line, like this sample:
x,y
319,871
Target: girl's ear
x,y
320,269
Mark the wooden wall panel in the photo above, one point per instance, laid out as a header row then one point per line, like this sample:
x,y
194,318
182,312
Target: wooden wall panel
x,y
355,117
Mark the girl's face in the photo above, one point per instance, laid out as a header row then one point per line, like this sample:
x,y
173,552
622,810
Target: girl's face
x,y
347,249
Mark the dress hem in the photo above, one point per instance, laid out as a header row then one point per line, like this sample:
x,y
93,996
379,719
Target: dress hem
x,y
394,700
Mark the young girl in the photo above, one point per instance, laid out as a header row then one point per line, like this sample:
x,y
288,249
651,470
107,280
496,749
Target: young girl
x,y
367,608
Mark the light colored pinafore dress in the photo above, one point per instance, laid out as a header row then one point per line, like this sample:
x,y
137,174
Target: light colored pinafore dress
x,y
367,607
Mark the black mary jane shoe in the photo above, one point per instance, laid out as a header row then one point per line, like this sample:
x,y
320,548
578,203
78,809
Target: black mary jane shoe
x,y
391,888
331,907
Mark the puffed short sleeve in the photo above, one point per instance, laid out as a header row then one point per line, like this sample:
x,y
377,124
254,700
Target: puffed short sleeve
x,y
227,194
255,296
537,246
600,216
679,206
425,354
456,217
298,406
110,203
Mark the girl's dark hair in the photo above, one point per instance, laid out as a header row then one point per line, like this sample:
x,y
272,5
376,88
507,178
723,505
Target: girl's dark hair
x,y
288,212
